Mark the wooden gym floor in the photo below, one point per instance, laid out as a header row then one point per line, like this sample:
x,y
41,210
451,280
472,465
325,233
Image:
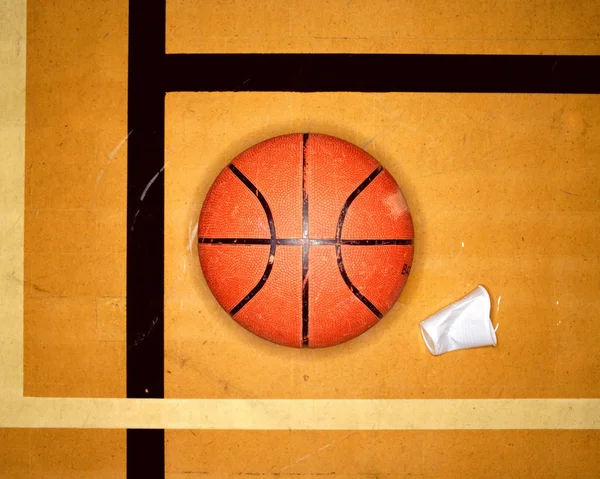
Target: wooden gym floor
x,y
504,189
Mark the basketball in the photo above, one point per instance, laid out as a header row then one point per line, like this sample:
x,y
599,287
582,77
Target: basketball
x,y
305,240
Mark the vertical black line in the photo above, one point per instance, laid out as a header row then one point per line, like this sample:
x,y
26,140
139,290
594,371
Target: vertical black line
x,y
143,457
145,227
305,245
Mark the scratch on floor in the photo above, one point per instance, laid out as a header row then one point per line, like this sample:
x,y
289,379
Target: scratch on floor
x,y
192,235
98,178
110,158
368,142
302,458
322,448
119,146
141,337
134,218
152,180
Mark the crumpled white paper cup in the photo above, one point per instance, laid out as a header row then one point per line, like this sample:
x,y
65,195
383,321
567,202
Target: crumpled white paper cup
x,y
462,325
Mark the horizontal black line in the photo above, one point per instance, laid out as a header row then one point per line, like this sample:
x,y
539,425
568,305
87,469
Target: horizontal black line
x,y
382,73
250,241
364,242
299,242
234,241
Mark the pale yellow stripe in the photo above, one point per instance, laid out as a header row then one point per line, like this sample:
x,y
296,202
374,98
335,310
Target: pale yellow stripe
x,y
302,414
12,161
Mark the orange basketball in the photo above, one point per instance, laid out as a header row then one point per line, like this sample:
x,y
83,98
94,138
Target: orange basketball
x,y
305,240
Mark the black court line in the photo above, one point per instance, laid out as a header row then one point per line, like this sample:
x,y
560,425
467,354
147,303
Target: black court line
x,y
272,242
305,244
338,236
300,242
145,453
338,72
145,228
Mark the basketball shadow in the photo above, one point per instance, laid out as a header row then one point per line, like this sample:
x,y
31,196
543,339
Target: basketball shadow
x,y
331,371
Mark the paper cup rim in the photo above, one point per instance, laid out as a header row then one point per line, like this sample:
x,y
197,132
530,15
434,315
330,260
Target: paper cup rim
x,y
428,340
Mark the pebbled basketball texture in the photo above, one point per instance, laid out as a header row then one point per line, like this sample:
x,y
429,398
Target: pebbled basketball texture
x,y
305,240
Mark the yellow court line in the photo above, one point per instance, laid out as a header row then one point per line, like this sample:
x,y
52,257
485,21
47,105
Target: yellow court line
x,y
302,414
13,26
348,414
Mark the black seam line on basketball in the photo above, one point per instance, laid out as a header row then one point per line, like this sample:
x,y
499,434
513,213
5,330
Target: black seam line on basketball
x,y
359,189
272,242
311,242
256,192
362,242
305,245
240,241
338,246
